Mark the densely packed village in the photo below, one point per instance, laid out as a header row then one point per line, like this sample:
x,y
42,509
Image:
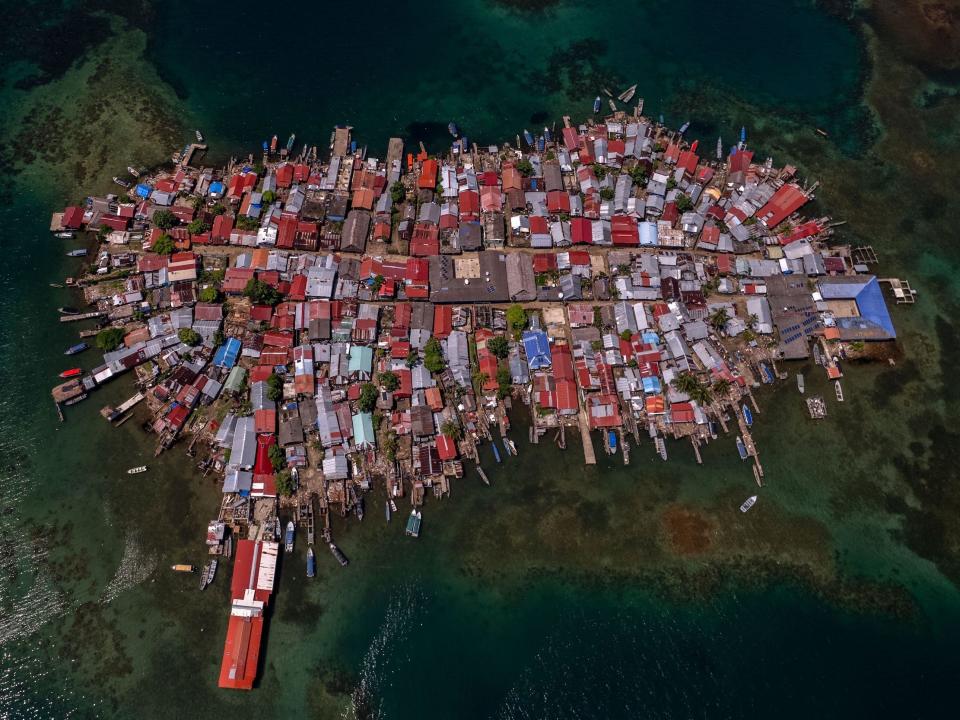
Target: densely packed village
x,y
321,328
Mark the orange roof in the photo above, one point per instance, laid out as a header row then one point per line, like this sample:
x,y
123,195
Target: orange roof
x,y
428,174
241,651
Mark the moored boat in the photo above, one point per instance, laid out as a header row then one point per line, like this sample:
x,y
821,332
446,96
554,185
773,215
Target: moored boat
x,y
137,470
199,136
684,127
413,523
68,310
121,182
511,444
288,538
506,447
338,554
839,390
290,141
596,105
661,446
741,448
209,572
72,372
182,567
747,415
719,148
496,453
612,438
74,349
311,563
527,137
133,171
453,129
748,503
386,509
627,95
273,144
65,235
800,383
79,252
359,508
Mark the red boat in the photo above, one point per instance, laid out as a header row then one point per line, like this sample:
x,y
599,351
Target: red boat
x,y
72,372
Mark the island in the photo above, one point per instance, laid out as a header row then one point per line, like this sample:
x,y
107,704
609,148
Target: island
x,y
323,328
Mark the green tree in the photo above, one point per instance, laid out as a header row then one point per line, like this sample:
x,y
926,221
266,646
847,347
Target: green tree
x,y
479,379
504,382
218,209
390,380
671,183
525,168
718,318
189,336
209,294
110,339
278,458
433,356
639,175
600,171
684,203
164,245
626,335
499,346
268,197
516,318
686,383
219,338
164,219
451,429
260,293
390,445
198,227
413,359
245,222
275,387
284,482
606,193
722,387
368,397
701,394
398,193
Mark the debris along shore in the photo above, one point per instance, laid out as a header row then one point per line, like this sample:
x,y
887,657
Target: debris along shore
x,y
324,325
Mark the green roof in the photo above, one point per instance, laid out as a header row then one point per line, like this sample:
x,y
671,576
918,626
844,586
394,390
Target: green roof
x,y
235,379
363,430
361,359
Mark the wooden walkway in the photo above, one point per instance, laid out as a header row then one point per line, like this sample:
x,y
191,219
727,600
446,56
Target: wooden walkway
x,y
588,455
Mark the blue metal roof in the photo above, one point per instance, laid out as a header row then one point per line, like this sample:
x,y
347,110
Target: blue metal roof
x,y
227,354
866,292
537,347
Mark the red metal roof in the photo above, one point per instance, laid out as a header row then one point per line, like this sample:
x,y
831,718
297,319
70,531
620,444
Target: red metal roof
x,y
72,217
428,175
442,320
623,229
581,231
446,448
785,201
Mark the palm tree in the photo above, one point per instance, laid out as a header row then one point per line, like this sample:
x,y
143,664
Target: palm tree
x,y
721,387
451,430
718,318
752,321
686,383
701,394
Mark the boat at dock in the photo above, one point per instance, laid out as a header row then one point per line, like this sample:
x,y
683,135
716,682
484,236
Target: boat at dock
x,y
719,148
65,235
748,503
613,105
288,538
199,136
596,105
747,415
290,141
741,448
684,127
74,349
79,252
496,453
506,447
311,563
838,388
453,129
121,182
137,470
413,523
527,137
661,446
386,509
612,438
358,508
209,572
182,567
338,554
816,407
133,171
273,144
393,505
800,384
627,95
512,445
71,373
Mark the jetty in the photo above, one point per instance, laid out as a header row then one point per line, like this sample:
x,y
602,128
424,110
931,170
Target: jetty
x,y
82,316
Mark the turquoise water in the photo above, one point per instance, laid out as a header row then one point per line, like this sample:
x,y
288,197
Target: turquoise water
x,y
562,591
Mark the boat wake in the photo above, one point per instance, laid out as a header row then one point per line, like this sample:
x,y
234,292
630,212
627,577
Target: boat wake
x,y
135,567
366,699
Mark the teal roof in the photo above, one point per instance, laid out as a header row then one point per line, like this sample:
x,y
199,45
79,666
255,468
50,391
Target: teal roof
x,y
361,359
363,430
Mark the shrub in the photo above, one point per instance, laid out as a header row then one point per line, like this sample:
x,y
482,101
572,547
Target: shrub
x,y
189,336
110,339
164,245
368,397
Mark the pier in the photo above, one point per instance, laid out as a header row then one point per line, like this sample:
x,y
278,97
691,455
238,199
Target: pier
x,y
588,454
81,316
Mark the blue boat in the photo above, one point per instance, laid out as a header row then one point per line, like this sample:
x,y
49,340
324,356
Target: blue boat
x,y
266,146
741,448
613,440
453,129
290,141
528,138
596,105
496,453
546,134
767,373
506,446
288,538
541,144
684,127
743,134
78,348
747,416
311,563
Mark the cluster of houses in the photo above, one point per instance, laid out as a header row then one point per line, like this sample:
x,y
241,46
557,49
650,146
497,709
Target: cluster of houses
x,y
637,259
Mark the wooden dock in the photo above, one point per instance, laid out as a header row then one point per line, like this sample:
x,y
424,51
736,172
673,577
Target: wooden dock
x,y
81,316
588,455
